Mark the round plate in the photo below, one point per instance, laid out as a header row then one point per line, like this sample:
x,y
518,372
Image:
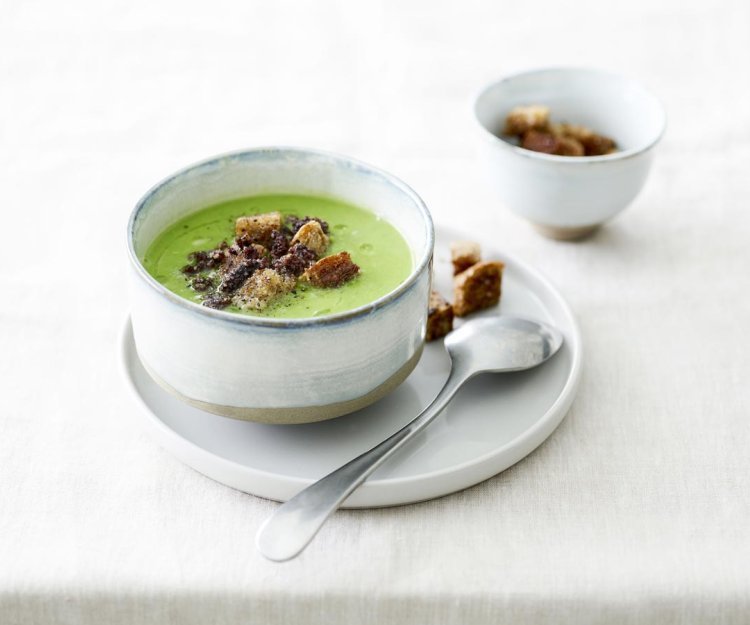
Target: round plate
x,y
494,421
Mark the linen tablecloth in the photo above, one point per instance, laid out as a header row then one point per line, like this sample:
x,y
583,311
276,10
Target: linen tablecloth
x,y
636,510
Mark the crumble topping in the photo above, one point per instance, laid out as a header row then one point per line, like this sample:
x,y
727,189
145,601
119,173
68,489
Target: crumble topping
x,y
265,260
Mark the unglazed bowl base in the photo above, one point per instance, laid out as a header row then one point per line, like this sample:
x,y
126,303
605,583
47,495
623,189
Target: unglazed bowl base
x,y
562,233
296,415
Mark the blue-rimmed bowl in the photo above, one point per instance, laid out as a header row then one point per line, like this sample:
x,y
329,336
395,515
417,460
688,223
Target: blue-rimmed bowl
x,y
280,370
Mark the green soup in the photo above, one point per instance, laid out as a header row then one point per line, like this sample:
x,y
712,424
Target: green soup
x,y
381,252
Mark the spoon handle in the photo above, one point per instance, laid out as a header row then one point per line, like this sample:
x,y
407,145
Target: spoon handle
x,y
294,524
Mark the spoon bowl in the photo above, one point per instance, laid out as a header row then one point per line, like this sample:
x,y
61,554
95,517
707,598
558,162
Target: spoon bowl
x,y
503,344
491,344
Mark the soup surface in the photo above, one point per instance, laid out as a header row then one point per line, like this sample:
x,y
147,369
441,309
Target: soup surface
x,y
382,254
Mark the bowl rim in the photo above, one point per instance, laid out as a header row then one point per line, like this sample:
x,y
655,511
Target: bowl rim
x,y
248,320
615,156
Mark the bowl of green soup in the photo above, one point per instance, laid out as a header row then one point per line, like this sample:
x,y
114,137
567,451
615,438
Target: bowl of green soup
x,y
280,285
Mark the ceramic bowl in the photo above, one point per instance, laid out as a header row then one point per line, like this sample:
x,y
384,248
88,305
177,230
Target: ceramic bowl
x,y
280,370
568,197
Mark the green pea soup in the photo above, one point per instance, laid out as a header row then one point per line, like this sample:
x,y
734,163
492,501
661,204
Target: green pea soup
x,y
382,254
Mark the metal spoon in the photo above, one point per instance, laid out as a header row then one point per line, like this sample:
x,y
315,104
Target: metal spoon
x,y
490,344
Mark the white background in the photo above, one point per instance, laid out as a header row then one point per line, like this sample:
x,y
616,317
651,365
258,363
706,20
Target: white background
x,y
635,511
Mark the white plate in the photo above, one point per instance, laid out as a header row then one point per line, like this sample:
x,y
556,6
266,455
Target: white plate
x,y
495,421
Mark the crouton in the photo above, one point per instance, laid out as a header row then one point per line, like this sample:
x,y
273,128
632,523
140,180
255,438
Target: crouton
x,y
262,288
558,129
311,235
464,254
332,271
598,145
567,146
539,141
439,317
478,287
524,118
593,144
550,143
258,228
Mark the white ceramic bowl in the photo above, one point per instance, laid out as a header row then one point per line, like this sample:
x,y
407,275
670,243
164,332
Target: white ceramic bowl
x,y
568,197
280,370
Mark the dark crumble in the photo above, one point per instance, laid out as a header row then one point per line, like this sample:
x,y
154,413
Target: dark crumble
x,y
202,283
302,251
241,271
294,223
264,261
215,258
279,244
291,265
243,241
190,269
217,301
196,264
297,259
209,259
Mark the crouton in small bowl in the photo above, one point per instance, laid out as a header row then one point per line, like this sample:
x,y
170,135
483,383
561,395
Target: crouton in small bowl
x,y
280,285
568,148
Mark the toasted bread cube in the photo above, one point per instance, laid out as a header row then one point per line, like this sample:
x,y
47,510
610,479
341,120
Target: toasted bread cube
x,y
524,118
539,141
567,146
551,143
558,129
439,317
593,144
571,130
261,288
598,145
478,287
311,235
258,228
332,271
464,254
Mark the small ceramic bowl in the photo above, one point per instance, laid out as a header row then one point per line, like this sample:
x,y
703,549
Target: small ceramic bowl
x,y
280,370
569,197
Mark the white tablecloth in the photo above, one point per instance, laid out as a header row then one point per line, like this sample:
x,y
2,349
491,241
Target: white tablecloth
x,y
635,511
